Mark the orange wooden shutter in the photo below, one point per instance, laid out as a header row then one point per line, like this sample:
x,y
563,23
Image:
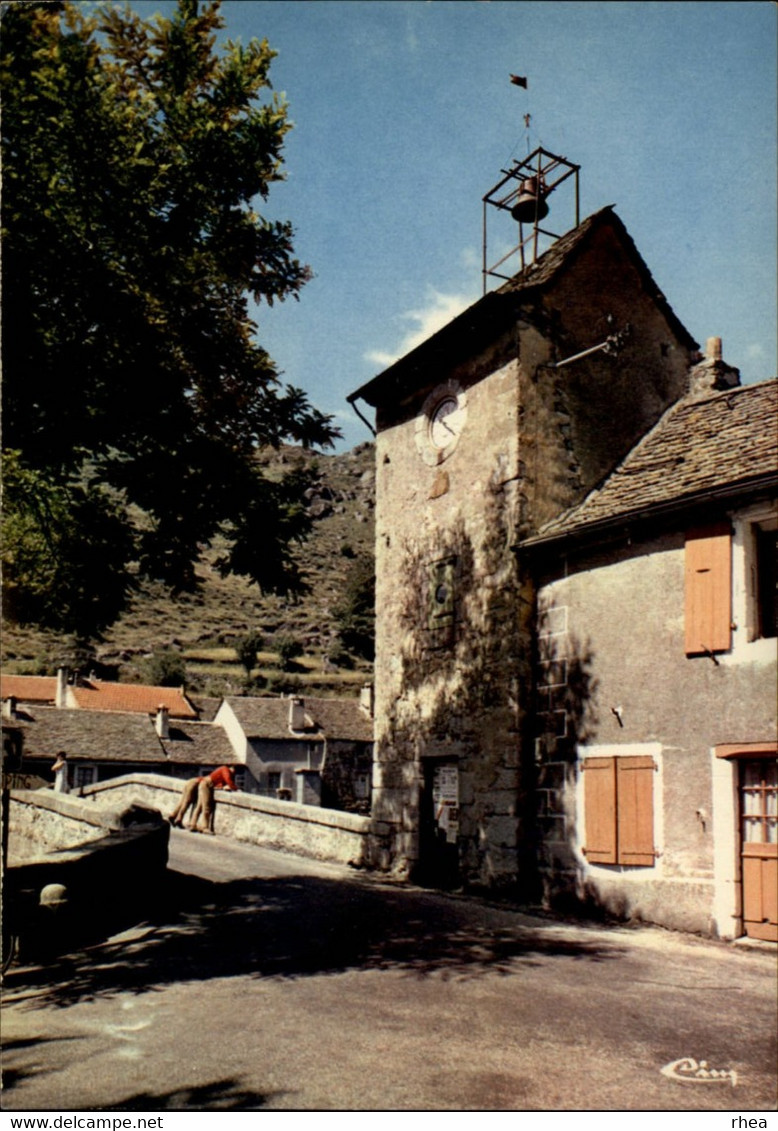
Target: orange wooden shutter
x,y
708,589
600,807
635,792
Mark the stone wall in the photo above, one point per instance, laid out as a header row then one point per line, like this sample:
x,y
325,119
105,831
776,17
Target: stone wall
x,y
454,679
42,821
77,872
613,677
447,680
303,829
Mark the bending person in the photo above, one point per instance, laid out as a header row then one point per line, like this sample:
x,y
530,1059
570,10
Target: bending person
x,y
202,818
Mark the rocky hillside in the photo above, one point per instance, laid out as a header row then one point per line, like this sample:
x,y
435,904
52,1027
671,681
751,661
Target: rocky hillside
x,y
201,626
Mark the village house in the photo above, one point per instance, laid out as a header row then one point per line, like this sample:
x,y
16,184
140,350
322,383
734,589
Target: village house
x,y
656,756
78,693
311,750
100,745
315,751
501,422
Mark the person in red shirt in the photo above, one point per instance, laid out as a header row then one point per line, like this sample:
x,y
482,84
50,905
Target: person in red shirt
x,y
221,778
188,800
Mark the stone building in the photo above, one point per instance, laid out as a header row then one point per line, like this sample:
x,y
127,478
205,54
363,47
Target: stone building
x,y
314,751
491,428
101,745
656,756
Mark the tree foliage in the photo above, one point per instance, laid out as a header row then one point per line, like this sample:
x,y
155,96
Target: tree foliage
x,y
246,648
136,157
166,669
288,649
355,615
63,550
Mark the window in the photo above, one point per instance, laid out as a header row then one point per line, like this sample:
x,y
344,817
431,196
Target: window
x,y
441,603
273,783
708,573
619,810
83,775
766,561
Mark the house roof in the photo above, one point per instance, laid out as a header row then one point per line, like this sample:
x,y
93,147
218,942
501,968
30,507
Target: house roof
x,y
341,719
101,695
93,735
104,736
718,443
29,688
201,744
337,719
481,321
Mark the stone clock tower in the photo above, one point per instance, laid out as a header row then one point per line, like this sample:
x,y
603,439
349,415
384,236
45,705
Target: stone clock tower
x,y
493,426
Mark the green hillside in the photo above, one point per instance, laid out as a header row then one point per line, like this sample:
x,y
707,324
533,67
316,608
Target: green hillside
x,y
201,626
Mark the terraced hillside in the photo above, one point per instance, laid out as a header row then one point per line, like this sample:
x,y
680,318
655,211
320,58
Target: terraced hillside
x,y
202,626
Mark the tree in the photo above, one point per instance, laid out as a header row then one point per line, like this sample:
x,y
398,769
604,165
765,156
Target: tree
x,y
63,550
166,669
135,159
246,648
355,615
288,649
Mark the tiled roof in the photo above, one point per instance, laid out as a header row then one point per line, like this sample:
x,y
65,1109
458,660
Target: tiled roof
x,y
94,735
200,744
703,444
206,706
103,736
562,252
500,305
268,718
29,688
99,695
342,719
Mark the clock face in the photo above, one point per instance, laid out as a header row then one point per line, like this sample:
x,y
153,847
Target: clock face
x,y
440,422
446,423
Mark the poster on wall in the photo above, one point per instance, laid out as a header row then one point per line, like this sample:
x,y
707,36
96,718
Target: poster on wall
x,y
445,796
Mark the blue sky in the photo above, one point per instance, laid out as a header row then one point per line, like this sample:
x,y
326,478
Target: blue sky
x,y
405,116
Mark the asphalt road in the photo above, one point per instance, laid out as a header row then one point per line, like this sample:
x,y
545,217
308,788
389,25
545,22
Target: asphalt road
x,y
265,981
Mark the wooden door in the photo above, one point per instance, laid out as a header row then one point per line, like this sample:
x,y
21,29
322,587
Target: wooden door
x,y
759,845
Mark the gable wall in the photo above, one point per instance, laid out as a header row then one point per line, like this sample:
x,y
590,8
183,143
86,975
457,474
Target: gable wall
x,y
531,446
611,630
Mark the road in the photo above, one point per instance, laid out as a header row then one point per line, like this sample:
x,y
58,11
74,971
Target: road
x,y
265,981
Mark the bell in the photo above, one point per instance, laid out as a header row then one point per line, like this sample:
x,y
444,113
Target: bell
x,y
530,204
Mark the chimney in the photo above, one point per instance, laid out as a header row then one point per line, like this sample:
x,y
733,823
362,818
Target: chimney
x,y
296,713
367,699
61,696
162,722
712,374
9,707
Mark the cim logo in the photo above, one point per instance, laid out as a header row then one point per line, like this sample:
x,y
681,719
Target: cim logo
x,y
698,1072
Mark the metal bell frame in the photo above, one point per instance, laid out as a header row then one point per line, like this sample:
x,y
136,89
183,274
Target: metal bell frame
x,y
523,192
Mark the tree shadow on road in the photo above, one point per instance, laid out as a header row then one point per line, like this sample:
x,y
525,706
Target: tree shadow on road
x,y
219,1095
295,927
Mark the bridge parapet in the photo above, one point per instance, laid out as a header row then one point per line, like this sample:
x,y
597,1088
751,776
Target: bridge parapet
x,y
307,830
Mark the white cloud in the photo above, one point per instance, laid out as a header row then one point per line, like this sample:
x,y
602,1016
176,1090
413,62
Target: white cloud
x,y
425,321
755,352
